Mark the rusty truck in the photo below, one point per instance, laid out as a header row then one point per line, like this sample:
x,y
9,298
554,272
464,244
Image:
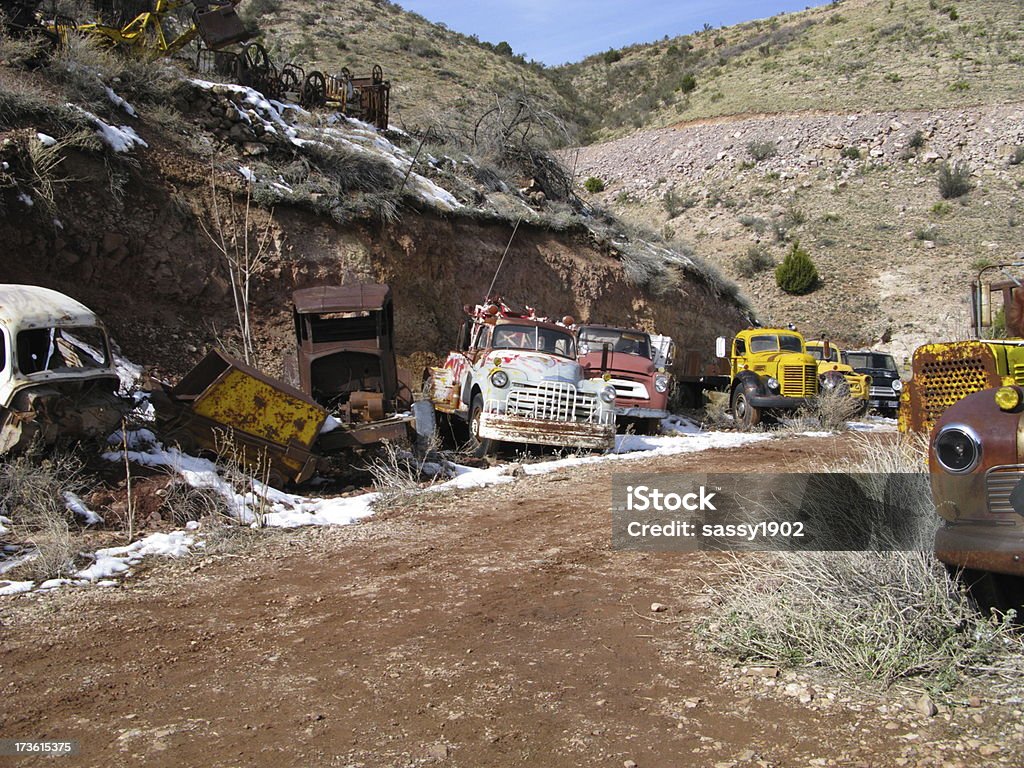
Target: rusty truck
x,y
976,463
944,373
58,379
345,391
643,384
516,378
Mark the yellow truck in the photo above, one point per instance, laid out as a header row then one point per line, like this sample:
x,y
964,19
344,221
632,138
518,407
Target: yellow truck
x,y
769,372
944,373
833,373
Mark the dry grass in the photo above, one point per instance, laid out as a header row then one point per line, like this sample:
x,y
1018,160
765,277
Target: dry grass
x,y
32,492
883,616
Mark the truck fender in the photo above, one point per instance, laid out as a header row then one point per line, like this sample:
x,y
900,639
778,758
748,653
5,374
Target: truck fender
x,y
751,382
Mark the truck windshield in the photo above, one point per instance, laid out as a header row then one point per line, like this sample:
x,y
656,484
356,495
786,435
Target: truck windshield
x,y
630,342
871,360
818,353
534,339
772,342
53,349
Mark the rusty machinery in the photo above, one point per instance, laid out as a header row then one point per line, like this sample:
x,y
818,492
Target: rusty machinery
x,y
147,27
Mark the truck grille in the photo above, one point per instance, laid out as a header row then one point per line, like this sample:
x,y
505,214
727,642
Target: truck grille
x,y
999,484
627,388
799,380
946,382
883,392
551,401
1018,374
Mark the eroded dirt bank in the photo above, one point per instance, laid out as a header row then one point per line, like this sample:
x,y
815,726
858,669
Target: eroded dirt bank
x,y
142,260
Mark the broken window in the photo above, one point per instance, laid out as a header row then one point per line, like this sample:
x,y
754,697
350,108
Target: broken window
x,y
53,349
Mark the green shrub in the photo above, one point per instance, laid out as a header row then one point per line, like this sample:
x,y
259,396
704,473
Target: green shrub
x,y
797,274
757,259
954,180
917,140
593,185
675,203
688,84
851,153
610,57
761,150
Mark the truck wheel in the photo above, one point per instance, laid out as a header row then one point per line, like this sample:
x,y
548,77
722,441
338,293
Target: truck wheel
x,y
747,416
478,446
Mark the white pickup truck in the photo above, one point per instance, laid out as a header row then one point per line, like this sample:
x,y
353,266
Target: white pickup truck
x,y
516,378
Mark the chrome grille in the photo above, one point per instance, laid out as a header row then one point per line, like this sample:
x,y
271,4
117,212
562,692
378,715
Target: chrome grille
x,y
627,388
550,401
799,380
999,484
1018,374
883,392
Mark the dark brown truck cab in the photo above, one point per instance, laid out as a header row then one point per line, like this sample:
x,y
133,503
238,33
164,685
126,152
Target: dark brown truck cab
x,y
346,361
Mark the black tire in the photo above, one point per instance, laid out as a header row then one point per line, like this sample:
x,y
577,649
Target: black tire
x,y
478,446
747,416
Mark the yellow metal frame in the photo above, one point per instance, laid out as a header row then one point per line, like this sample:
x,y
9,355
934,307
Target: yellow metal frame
x,y
145,32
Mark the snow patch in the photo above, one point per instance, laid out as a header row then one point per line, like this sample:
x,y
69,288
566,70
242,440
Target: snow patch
x,y
117,101
77,507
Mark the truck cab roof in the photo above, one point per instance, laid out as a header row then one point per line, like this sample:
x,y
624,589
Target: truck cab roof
x,y
29,306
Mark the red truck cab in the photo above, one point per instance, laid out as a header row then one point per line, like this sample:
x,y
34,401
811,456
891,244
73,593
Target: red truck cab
x,y
630,363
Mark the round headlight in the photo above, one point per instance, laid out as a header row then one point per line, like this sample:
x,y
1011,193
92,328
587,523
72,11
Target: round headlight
x,y
661,382
957,449
829,382
1008,398
499,379
773,384
608,394
897,386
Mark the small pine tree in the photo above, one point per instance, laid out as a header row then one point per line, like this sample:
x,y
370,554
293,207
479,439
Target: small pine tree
x,y
797,273
593,185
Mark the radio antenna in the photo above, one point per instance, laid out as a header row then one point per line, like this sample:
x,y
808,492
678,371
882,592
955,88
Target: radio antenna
x,y
495,279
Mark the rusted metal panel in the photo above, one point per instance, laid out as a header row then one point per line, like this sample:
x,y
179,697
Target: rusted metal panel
x,y
223,399
943,374
395,429
220,27
341,298
574,434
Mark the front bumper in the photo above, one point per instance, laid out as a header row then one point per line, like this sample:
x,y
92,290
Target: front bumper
x,y
995,548
640,413
778,402
570,434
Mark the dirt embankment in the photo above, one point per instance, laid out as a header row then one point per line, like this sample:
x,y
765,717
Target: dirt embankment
x,y
146,266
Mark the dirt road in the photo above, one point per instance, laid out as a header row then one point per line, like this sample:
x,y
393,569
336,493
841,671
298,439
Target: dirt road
x,y
487,627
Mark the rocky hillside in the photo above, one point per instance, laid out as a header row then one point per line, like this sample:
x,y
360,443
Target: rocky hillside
x,y
442,81
860,192
849,55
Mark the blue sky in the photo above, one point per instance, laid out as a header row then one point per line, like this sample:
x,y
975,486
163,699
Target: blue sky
x,y
560,31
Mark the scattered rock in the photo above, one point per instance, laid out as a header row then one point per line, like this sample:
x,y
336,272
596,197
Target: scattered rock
x,y
437,751
658,608
925,706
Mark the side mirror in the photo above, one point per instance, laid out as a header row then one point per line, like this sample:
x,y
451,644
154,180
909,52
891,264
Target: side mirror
x,y
720,348
983,305
463,342
826,350
605,350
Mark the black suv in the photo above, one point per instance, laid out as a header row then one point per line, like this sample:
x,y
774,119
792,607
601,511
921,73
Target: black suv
x,y
886,386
